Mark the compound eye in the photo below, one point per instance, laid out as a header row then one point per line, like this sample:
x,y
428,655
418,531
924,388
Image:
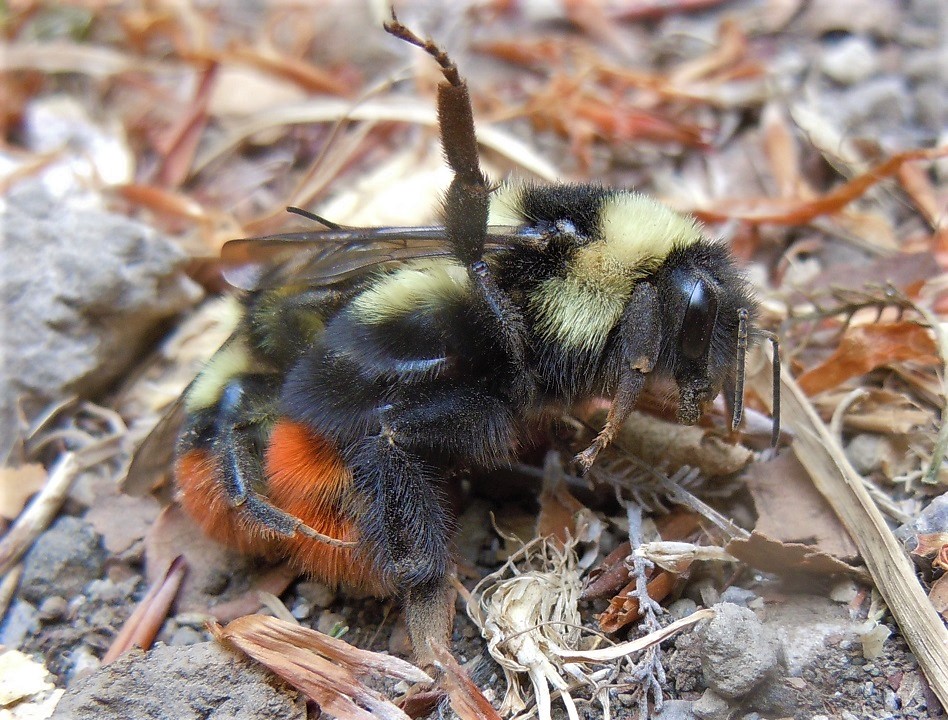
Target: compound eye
x,y
698,325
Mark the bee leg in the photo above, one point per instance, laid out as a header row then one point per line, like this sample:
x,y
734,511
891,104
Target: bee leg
x,y
467,202
640,331
242,469
407,527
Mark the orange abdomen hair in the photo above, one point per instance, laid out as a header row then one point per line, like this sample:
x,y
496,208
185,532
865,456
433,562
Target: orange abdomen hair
x,y
305,477
201,493
308,479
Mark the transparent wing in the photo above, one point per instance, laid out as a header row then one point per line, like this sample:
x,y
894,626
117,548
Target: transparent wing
x,y
153,459
325,257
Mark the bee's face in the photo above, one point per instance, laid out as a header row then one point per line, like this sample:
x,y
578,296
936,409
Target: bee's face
x,y
700,322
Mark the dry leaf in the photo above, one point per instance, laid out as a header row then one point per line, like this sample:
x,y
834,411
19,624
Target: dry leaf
x,y
672,445
786,211
931,545
20,677
790,509
326,670
866,348
122,521
17,485
783,558
901,270
613,573
624,609
939,596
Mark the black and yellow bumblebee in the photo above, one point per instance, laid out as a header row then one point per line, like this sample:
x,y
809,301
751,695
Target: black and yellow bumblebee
x,y
368,363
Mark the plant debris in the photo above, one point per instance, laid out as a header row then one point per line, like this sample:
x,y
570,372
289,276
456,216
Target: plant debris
x,y
808,136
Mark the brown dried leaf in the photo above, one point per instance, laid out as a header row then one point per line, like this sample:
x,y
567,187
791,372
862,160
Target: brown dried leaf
x,y
17,485
613,572
934,546
122,521
791,510
327,670
866,348
558,512
939,596
624,608
904,271
785,211
211,564
783,558
672,445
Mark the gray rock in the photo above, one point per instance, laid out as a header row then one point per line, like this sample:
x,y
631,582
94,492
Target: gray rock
x,y
738,596
738,653
20,621
81,290
192,682
711,706
62,561
676,710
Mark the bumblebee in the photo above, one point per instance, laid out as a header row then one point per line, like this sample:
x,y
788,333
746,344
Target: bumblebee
x,y
368,363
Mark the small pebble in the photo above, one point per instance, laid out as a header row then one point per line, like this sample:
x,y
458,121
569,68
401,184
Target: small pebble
x,y
711,706
682,608
738,596
192,619
318,594
737,651
53,608
850,61
186,636
844,591
330,622
83,662
301,610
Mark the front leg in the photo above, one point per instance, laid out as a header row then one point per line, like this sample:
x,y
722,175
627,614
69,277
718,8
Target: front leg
x,y
640,341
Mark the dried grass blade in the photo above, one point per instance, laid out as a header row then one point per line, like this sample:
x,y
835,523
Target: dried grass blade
x,y
616,651
41,510
891,570
143,625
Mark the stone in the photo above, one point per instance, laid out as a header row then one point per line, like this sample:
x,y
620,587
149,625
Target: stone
x,y
82,289
62,561
192,682
738,652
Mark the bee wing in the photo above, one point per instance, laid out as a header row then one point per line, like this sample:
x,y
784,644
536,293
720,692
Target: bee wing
x,y
326,257
152,461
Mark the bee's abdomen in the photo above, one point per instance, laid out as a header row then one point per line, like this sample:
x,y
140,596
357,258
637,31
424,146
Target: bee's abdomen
x,y
305,477
308,479
202,494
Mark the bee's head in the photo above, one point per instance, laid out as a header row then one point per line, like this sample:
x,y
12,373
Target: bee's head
x,y
703,299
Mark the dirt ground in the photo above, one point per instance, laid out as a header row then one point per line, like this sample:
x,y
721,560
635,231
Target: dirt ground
x,y
808,135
